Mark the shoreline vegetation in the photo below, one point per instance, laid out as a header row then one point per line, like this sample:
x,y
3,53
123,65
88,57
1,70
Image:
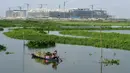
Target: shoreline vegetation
x,y
59,25
13,23
110,40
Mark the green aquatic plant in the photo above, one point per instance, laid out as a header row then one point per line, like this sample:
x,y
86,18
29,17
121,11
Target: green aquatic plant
x,y
40,30
90,54
9,52
40,44
1,29
2,48
107,62
55,25
109,40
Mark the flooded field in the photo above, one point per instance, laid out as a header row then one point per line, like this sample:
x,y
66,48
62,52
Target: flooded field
x,y
76,59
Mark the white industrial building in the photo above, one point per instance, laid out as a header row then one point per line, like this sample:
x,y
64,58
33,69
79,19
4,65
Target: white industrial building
x,y
67,13
57,13
38,13
44,13
15,13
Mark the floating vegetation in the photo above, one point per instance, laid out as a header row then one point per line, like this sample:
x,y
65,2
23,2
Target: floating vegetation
x,y
28,34
2,48
1,29
9,53
40,30
55,25
110,40
107,62
90,54
40,44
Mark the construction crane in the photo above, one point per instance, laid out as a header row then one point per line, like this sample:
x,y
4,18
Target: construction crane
x,y
20,8
27,5
9,8
59,6
92,6
41,5
65,7
59,12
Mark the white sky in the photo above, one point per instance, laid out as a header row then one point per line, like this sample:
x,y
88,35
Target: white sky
x,y
119,8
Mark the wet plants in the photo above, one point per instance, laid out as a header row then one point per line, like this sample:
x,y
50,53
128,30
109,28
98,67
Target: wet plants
x,y
40,44
7,53
1,29
110,40
55,25
90,54
107,62
2,48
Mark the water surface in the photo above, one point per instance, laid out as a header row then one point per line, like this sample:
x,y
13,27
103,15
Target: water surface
x,y
76,59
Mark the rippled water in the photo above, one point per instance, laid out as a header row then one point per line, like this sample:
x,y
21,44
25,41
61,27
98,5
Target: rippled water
x,y
76,59
116,31
94,26
58,34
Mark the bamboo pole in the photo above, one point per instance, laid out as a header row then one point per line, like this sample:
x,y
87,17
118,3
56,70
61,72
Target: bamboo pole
x,y
101,47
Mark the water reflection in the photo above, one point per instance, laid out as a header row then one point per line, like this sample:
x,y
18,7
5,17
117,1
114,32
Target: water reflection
x,y
53,59
54,64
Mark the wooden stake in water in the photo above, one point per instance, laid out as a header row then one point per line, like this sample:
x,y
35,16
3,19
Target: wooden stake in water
x,y
101,47
23,50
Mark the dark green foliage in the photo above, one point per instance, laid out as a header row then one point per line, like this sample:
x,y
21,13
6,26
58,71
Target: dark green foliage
x,y
109,40
9,53
107,62
40,30
31,21
8,23
1,29
40,44
56,25
2,48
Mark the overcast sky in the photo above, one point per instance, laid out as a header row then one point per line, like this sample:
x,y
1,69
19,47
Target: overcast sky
x,y
119,8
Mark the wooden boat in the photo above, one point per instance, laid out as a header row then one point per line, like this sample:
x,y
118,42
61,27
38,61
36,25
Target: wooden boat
x,y
53,60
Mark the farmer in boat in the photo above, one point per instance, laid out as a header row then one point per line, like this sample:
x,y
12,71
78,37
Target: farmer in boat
x,y
55,52
48,55
54,55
